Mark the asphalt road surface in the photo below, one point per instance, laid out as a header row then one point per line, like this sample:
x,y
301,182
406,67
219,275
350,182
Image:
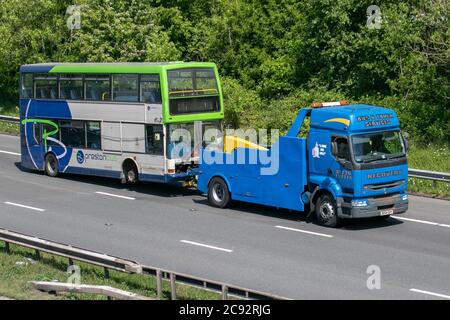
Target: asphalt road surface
x,y
257,247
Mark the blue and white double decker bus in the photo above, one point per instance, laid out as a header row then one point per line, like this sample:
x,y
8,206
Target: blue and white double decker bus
x,y
120,120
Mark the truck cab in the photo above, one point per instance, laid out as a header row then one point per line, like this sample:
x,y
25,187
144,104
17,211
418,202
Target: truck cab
x,y
357,162
351,164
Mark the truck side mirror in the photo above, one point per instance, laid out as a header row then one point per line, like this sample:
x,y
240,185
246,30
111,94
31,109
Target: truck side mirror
x,y
406,140
334,148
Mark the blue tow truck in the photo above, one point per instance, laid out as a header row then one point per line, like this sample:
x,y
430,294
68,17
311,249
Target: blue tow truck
x,y
351,164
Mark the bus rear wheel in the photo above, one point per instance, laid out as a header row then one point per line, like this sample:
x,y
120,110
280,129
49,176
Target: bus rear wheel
x,y
131,173
218,193
51,165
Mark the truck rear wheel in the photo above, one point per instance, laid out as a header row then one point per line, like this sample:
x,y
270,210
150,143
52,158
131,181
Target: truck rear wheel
x,y
51,165
326,211
218,193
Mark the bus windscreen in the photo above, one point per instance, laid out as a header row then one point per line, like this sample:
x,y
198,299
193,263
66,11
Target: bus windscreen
x,y
192,82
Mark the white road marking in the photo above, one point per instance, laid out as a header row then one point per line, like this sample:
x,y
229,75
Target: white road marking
x,y
431,293
206,246
23,206
424,222
304,231
115,195
9,152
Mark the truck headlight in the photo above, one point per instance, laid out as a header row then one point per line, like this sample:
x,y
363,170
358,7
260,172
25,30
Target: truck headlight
x,y
405,197
359,203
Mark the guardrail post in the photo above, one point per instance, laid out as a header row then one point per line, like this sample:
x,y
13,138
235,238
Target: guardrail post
x,y
106,270
159,284
37,255
173,287
224,292
7,249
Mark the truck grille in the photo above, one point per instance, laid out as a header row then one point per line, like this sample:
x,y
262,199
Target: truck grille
x,y
378,186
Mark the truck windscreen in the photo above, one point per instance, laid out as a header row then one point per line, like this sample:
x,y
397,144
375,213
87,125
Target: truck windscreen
x,y
377,146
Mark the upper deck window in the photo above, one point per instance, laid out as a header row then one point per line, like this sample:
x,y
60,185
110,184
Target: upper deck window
x,y
71,87
98,87
125,87
46,86
192,82
27,86
150,90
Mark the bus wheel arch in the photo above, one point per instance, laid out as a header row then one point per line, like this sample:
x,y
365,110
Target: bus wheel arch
x,y
130,170
51,165
219,194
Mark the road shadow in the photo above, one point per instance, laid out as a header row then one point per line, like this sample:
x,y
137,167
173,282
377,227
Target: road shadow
x,y
19,166
370,223
299,216
272,212
146,188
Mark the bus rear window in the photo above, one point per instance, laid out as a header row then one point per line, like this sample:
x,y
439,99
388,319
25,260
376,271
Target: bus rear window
x,y
27,86
192,82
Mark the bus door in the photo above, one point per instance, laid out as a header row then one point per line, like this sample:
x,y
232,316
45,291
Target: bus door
x,y
154,146
36,145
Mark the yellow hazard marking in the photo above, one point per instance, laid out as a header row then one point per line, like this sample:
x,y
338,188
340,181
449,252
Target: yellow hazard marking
x,y
233,142
340,120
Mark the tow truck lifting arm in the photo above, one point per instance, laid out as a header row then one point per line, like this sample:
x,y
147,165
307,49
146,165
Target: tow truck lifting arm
x,y
297,125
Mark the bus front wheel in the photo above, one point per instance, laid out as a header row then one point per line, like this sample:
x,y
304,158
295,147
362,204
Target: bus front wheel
x,y
51,165
218,193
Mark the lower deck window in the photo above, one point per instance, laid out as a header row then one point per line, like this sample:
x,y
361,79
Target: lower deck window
x,y
93,135
73,134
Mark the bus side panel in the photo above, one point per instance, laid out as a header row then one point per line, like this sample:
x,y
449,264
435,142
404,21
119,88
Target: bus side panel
x,y
94,172
25,131
32,150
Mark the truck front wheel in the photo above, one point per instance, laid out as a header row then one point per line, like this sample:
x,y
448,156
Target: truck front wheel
x,y
326,211
218,193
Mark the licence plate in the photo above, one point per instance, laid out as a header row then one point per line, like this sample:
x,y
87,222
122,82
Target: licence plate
x,y
386,212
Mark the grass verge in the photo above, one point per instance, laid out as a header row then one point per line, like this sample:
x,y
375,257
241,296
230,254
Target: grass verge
x,y
19,267
8,108
434,158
